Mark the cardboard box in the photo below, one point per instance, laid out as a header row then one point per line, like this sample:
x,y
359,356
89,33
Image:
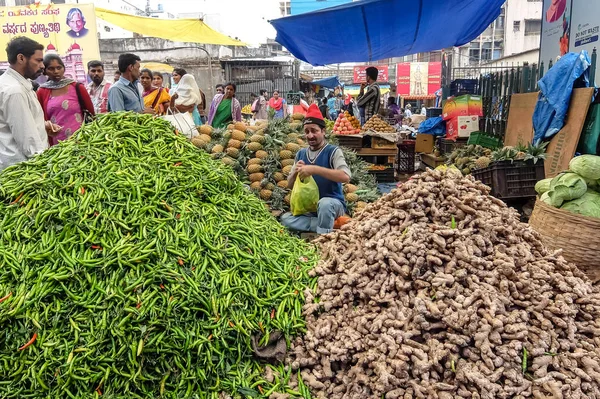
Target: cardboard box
x,y
424,143
462,106
378,142
462,126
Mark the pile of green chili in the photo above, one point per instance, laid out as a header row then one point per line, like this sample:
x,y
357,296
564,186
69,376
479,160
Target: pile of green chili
x,y
134,266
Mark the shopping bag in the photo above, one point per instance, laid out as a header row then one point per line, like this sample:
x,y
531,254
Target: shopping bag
x,y
305,196
182,122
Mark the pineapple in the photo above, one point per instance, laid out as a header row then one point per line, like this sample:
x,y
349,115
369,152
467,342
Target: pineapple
x,y
266,195
293,137
260,132
350,188
234,144
257,177
205,129
287,170
257,138
261,154
278,176
227,135
287,162
233,152
217,149
269,186
351,197
228,161
285,154
301,143
238,135
255,186
293,147
199,142
252,128
241,126
254,147
231,126
482,162
536,152
254,168
282,184
205,137
255,161
287,199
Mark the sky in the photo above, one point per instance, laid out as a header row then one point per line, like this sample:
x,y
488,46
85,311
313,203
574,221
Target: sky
x,y
246,19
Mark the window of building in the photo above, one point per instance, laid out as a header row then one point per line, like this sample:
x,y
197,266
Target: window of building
x,y
500,21
486,54
533,27
474,55
517,26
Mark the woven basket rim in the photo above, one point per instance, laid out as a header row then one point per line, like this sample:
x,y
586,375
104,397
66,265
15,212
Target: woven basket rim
x,y
576,218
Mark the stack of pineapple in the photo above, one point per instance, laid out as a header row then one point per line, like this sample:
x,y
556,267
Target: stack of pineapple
x,y
263,156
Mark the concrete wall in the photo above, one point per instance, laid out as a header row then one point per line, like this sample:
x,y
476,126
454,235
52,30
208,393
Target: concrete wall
x,y
516,42
530,57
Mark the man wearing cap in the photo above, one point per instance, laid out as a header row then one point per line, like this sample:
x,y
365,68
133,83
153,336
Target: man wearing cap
x,y
370,100
326,164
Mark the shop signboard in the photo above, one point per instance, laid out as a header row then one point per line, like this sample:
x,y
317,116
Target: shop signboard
x,y
360,74
585,28
556,29
68,30
418,79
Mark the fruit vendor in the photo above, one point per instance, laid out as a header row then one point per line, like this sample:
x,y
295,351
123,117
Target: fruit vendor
x,y
370,100
326,164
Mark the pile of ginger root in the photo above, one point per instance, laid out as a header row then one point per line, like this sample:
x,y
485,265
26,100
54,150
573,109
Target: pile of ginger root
x,y
438,291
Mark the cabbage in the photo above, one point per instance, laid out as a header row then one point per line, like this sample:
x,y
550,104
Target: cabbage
x,y
546,198
586,205
565,187
542,186
586,166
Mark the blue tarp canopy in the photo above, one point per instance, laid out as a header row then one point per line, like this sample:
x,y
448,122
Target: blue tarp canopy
x,y
369,30
331,82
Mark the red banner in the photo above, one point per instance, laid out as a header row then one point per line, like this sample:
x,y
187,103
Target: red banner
x,y
418,79
360,74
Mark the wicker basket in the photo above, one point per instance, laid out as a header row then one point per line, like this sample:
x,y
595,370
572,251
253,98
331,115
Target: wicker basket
x,y
573,233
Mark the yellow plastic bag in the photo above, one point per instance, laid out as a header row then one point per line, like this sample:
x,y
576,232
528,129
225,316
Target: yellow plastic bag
x,y
305,196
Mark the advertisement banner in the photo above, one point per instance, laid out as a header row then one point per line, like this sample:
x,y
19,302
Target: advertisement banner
x,y
360,74
585,28
68,30
418,79
556,30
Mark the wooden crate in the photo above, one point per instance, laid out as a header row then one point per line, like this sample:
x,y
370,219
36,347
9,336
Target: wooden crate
x,y
378,143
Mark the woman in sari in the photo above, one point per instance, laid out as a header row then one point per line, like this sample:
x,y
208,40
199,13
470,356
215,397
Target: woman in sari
x,y
186,95
156,98
225,108
157,79
279,105
64,102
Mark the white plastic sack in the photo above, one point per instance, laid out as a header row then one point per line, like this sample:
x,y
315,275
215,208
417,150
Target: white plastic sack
x,y
183,122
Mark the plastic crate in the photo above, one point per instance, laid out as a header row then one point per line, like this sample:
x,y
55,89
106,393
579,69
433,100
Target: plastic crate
x,y
433,112
353,143
383,176
510,180
447,146
405,160
485,140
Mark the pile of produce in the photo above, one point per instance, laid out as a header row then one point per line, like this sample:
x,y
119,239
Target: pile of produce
x,y
134,266
247,109
438,291
376,124
577,190
263,156
472,157
346,124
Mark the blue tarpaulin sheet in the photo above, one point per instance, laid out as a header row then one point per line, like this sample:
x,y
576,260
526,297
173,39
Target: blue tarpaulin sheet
x,y
370,30
331,82
556,87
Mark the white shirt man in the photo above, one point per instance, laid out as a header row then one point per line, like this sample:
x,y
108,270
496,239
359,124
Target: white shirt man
x,y
23,132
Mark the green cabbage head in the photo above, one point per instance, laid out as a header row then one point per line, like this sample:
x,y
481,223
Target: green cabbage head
x,y
586,205
542,186
566,187
586,166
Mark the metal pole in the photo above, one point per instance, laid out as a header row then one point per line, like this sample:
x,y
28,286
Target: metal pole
x,y
211,86
593,68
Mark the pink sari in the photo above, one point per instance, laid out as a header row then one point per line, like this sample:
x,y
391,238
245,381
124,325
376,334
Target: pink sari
x,y
65,111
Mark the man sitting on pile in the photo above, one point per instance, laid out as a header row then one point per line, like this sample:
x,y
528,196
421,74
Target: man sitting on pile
x,y
326,164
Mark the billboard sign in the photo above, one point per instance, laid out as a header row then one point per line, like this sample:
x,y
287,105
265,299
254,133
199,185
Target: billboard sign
x,y
585,28
68,30
418,79
360,74
556,30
